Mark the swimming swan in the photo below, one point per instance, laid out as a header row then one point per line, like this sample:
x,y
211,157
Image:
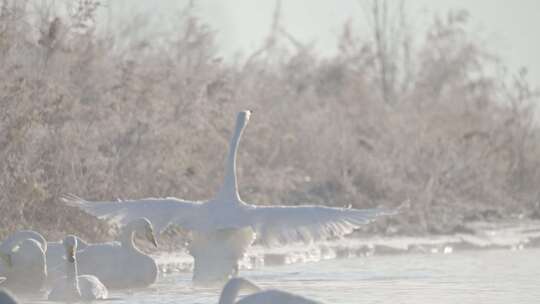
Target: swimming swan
x,y
271,296
22,262
75,287
224,226
121,264
54,251
56,258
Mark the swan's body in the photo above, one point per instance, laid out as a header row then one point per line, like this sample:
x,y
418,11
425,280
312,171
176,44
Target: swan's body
x,y
227,215
232,288
23,263
75,287
121,264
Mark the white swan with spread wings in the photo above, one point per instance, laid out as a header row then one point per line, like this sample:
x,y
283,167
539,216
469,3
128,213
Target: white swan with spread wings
x,y
225,226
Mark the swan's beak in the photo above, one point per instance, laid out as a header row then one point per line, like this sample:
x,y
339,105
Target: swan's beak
x,y
6,258
70,254
150,236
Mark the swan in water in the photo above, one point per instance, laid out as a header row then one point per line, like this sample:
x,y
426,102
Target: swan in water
x,y
75,287
231,289
121,264
54,251
224,227
23,263
56,258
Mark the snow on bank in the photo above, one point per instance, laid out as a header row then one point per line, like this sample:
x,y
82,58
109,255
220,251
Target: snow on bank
x,y
509,236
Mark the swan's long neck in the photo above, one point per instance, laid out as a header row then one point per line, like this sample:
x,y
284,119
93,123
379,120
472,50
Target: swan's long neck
x,y
232,288
229,293
229,189
126,237
72,275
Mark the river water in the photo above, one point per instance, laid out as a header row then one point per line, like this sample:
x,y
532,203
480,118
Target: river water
x,y
498,264
483,276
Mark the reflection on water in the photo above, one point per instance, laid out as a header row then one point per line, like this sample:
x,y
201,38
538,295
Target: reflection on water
x,y
488,276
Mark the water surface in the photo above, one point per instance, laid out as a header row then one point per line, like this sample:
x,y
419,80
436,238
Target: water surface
x,y
483,276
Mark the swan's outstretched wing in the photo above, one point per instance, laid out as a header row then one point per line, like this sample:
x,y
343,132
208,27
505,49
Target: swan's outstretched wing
x,y
162,212
285,224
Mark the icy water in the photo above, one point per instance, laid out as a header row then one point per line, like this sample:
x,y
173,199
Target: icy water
x,y
481,276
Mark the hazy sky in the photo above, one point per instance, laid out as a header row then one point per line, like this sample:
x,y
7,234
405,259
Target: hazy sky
x,y
512,27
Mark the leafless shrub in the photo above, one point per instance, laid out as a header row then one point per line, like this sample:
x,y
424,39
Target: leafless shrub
x,y
365,127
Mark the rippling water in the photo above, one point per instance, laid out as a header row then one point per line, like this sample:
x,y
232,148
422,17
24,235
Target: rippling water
x,y
483,276
446,269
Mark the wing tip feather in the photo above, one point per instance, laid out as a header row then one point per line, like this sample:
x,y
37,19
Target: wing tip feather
x,y
72,200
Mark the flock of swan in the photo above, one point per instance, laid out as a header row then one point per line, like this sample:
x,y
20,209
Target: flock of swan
x,y
222,230
28,264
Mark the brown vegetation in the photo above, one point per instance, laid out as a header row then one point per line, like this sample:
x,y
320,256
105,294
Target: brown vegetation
x,y
386,119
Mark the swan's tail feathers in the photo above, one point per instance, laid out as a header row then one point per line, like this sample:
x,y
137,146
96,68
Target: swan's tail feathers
x,y
73,200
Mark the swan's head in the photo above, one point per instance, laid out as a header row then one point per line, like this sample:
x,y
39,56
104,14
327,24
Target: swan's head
x,y
2,279
243,117
144,228
70,244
